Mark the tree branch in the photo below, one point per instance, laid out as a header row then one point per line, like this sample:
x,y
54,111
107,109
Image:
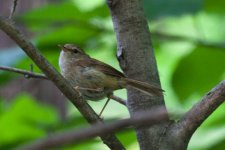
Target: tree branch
x,y
137,59
202,110
13,8
110,140
180,133
29,74
119,100
142,119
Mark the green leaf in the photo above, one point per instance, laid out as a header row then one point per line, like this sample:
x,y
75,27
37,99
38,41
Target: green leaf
x,y
56,15
84,6
198,72
127,137
218,146
68,34
24,120
214,6
170,7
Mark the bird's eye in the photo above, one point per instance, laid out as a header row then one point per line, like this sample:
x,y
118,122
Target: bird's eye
x,y
75,51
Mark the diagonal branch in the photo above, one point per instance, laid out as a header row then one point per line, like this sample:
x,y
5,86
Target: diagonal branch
x,y
142,119
181,132
110,140
202,110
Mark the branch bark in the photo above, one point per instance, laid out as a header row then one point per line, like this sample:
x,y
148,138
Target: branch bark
x,y
13,9
110,140
179,134
137,60
150,118
27,74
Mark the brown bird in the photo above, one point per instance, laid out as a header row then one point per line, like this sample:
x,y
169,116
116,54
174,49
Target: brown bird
x,y
94,79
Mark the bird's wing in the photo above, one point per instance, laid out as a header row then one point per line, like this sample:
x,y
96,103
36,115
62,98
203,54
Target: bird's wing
x,y
105,68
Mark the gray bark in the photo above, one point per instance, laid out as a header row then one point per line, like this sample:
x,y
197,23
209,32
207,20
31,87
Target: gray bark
x,y
137,60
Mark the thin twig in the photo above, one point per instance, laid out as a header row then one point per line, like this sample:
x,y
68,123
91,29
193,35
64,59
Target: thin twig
x,y
27,74
15,2
119,100
142,119
31,74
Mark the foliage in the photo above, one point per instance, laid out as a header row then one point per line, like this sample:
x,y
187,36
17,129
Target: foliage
x,y
188,40
24,119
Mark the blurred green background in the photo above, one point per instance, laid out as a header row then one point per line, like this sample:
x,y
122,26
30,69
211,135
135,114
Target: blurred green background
x,y
189,42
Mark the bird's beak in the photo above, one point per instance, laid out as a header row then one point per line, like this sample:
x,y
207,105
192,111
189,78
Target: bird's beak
x,y
62,48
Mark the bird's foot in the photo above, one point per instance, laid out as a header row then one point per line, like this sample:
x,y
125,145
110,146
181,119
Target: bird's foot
x,y
77,88
89,89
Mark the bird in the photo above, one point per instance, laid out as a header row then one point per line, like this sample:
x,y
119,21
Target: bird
x,y
94,79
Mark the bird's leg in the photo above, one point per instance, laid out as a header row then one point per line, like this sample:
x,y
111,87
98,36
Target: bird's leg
x,y
104,106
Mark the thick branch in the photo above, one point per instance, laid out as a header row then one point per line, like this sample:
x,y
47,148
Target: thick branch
x,y
180,133
136,56
58,80
75,136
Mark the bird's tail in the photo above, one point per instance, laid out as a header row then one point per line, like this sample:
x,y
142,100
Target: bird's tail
x,y
144,87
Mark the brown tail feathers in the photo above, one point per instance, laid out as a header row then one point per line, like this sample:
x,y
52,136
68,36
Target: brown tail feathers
x,y
144,87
